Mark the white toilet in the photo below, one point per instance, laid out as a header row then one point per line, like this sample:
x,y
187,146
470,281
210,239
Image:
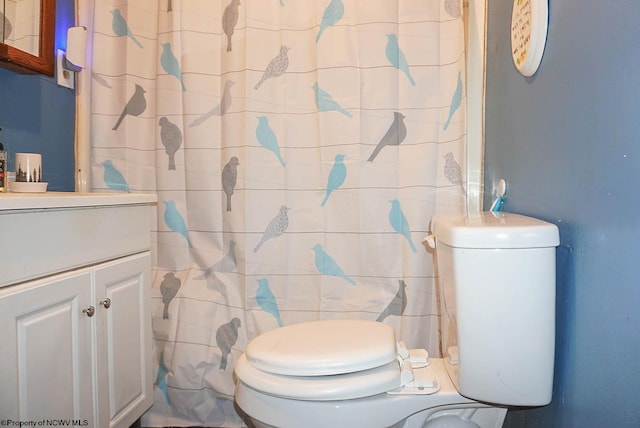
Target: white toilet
x,y
496,278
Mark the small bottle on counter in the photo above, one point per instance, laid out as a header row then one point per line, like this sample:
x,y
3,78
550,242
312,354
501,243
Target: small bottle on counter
x,y
4,174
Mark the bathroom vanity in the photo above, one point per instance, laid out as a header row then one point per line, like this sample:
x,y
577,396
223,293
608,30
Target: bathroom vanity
x,y
75,318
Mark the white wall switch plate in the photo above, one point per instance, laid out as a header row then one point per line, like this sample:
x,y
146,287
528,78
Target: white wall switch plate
x,y
64,77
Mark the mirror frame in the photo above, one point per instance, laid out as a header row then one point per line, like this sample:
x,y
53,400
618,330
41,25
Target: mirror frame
x,y
23,62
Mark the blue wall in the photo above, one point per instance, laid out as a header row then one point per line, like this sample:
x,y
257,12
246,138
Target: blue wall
x,y
567,141
38,116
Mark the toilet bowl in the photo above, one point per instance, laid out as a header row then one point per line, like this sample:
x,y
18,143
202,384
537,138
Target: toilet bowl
x,y
376,411
496,273
352,376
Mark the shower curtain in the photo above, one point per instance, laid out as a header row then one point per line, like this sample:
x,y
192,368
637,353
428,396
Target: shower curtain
x,y
298,149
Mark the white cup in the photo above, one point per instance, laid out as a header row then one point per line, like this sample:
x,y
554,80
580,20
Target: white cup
x,y
28,167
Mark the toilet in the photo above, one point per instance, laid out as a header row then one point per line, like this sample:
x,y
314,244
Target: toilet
x,y
496,279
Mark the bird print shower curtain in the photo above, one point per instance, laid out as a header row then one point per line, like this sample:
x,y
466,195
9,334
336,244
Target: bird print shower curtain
x,y
298,149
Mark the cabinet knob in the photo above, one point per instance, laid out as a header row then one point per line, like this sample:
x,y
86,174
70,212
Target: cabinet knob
x,y
106,303
89,311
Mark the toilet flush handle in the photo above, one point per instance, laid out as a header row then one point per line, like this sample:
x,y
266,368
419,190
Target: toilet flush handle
x,y
430,241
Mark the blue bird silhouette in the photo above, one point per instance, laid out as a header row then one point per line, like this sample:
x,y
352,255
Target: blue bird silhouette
x,y
326,265
336,177
332,14
121,28
267,301
325,102
267,138
114,178
170,63
399,222
174,220
396,56
456,99
161,377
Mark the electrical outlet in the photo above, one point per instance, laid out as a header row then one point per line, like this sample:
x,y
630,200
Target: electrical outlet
x,y
64,77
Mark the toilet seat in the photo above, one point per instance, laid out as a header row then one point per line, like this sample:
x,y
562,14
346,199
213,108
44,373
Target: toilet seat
x,y
345,386
322,360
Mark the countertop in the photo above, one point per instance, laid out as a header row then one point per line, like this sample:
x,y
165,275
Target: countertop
x,y
11,201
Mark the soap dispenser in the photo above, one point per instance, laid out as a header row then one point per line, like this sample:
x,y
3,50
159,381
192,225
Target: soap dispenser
x,y
4,174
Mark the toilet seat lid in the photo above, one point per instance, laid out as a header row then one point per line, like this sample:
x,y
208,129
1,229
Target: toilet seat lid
x,y
321,348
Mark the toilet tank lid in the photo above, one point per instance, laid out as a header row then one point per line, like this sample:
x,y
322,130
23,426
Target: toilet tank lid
x,y
494,230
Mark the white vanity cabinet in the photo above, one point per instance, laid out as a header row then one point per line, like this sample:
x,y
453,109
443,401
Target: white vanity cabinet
x,y
123,340
75,321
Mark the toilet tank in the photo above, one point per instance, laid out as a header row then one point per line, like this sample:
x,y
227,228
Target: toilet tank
x,y
496,279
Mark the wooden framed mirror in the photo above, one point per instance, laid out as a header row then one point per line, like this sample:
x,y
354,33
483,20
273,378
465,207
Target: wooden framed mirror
x,y
27,30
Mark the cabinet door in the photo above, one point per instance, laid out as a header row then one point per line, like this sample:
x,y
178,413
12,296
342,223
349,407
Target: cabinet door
x,y
123,316
45,358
